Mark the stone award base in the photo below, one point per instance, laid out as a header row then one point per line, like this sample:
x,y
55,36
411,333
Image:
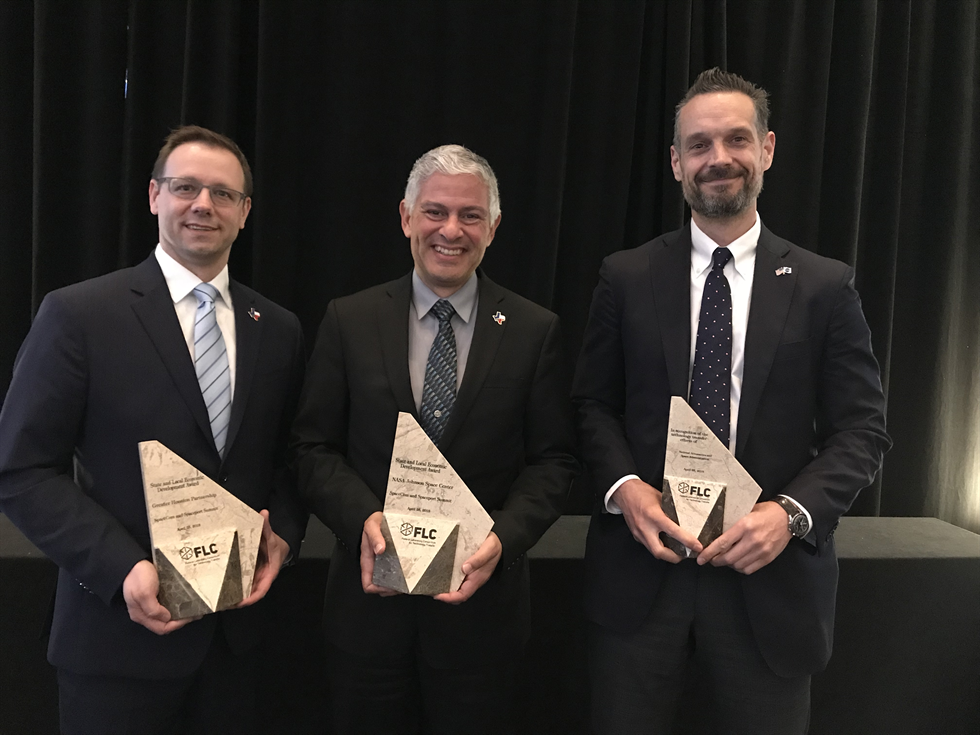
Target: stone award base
x,y
419,556
694,507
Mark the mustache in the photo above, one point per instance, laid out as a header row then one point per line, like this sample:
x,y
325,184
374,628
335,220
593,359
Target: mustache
x,y
720,172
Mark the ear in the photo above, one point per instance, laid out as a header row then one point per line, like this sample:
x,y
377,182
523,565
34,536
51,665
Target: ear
x,y
246,208
675,163
154,193
768,149
493,229
406,218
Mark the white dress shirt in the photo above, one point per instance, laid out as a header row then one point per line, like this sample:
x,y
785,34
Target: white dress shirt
x,y
181,282
739,271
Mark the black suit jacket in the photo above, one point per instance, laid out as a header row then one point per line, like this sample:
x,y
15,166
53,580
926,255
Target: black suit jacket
x,y
106,366
810,425
509,437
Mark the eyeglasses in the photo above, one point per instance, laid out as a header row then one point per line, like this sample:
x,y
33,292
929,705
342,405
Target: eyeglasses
x,y
189,189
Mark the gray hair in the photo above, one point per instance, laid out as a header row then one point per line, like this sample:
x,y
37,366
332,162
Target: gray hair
x,y
716,80
452,160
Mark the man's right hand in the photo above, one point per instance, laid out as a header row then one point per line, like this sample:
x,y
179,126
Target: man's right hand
x,y
140,589
372,544
645,517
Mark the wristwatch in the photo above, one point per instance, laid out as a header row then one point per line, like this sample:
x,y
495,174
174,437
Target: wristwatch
x,y
799,526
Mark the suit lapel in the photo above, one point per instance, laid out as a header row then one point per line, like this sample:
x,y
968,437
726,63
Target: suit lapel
x,y
155,312
393,327
670,276
771,298
248,338
487,334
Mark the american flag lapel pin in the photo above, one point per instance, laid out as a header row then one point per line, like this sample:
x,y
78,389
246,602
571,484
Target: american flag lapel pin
x,y
254,313
499,318
784,270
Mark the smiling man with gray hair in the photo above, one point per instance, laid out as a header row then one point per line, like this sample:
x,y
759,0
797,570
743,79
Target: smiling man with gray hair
x,y
443,664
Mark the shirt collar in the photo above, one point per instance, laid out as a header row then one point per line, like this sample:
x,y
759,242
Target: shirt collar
x,y
742,249
463,301
181,281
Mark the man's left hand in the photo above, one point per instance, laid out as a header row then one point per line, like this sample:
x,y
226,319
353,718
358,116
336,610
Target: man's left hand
x,y
752,542
477,569
272,553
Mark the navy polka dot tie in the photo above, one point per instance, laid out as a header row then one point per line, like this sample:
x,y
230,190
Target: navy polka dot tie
x,y
711,379
439,389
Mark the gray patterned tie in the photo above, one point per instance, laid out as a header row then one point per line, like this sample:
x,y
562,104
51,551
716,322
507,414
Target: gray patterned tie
x,y
211,364
439,390
711,378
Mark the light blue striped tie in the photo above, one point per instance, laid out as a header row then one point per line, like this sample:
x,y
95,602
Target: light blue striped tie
x,y
211,364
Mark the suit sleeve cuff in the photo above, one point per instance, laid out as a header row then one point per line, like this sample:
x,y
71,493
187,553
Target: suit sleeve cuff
x,y
608,503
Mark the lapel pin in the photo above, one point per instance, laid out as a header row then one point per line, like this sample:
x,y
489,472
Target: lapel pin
x,y
254,313
499,318
784,271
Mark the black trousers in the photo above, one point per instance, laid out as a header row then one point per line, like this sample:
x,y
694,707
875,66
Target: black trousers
x,y
404,694
699,618
220,697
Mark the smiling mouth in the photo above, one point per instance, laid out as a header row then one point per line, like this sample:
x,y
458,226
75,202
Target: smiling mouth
x,y
721,175
443,250
200,228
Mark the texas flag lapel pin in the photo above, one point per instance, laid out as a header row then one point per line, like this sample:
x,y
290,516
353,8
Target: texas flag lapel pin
x,y
499,318
254,313
784,270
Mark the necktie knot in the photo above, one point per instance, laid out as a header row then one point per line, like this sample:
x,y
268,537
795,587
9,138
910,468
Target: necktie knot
x,y
205,293
720,258
442,310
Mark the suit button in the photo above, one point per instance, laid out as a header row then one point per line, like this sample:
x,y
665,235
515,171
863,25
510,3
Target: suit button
x,y
223,479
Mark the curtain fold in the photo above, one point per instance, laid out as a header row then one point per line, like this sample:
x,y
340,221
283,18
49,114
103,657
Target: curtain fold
x,y
875,105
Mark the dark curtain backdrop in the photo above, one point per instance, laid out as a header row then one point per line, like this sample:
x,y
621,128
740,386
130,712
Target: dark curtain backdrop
x,y
875,108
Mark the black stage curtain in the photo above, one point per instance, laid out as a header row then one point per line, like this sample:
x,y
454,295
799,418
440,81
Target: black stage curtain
x,y
875,107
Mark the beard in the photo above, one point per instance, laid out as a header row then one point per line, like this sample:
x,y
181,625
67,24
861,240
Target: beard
x,y
723,205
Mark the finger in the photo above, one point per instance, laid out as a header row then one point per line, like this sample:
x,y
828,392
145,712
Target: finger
x,y
156,621
176,625
452,598
372,529
261,584
373,589
488,550
684,537
367,564
465,591
267,532
722,545
149,608
661,551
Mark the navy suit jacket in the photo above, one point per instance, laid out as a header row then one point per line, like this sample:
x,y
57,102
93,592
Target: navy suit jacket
x,y
509,437
106,366
810,425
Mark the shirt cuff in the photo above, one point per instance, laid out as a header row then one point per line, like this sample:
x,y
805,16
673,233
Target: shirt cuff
x,y
609,504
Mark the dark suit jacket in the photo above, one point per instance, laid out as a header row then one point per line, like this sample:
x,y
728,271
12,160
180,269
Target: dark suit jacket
x,y
104,367
509,437
810,424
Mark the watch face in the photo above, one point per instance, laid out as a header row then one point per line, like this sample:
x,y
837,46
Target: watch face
x,y
799,526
